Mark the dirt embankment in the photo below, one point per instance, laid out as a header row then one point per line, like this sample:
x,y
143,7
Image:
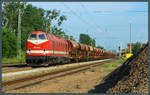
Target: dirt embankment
x,y
131,77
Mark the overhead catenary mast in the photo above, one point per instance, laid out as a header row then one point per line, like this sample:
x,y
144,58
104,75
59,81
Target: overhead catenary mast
x,y
130,39
19,32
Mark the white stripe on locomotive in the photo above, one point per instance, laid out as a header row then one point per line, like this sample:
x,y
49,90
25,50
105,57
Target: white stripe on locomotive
x,y
51,52
37,42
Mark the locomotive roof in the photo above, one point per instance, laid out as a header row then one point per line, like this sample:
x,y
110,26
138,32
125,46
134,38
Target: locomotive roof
x,y
57,38
38,32
53,36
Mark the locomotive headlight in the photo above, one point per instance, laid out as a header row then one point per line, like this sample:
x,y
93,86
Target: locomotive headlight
x,y
29,51
44,51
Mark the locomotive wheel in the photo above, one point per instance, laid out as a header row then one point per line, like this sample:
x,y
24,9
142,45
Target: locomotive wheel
x,y
46,65
34,66
76,60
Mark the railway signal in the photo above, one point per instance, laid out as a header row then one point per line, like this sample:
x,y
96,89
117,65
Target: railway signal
x,y
119,48
119,51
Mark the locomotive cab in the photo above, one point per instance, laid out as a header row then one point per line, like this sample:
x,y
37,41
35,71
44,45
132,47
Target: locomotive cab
x,y
37,36
37,46
37,43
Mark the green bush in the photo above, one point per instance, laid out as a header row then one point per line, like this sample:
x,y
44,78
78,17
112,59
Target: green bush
x,y
136,47
9,43
14,59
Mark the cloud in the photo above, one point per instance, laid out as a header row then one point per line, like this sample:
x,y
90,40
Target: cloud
x,y
100,31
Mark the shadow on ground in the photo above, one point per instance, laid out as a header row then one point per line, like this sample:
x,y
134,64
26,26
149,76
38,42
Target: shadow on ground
x,y
111,79
18,66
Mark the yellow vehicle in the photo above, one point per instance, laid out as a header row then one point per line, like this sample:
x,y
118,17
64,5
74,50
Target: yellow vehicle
x,y
128,55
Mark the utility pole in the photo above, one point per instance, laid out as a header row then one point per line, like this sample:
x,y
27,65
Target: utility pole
x,y
119,50
19,32
69,35
130,39
46,27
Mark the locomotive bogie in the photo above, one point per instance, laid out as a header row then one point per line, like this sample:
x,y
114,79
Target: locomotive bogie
x,y
46,60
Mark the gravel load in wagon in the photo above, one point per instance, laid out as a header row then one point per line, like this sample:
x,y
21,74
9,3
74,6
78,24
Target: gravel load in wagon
x,y
130,77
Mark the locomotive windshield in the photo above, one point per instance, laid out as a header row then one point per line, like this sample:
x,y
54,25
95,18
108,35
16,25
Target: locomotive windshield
x,y
41,36
32,37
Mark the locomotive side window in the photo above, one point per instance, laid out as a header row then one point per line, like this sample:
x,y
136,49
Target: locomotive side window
x,y
54,43
41,36
32,37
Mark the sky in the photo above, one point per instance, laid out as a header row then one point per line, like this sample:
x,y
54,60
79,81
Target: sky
x,y
106,22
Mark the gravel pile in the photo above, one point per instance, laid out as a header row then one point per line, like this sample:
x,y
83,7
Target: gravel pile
x,y
130,77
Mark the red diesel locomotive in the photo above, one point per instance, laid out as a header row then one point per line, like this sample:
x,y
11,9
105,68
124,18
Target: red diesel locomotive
x,y
45,49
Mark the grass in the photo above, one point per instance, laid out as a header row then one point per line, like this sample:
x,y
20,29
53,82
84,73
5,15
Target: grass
x,y
14,59
92,69
108,67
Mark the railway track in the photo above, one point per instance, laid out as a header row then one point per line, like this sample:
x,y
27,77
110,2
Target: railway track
x,y
13,65
14,69
28,81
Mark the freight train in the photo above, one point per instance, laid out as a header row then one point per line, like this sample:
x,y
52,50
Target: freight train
x,y
46,49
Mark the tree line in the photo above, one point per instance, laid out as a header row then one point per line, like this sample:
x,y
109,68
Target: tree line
x,y
86,39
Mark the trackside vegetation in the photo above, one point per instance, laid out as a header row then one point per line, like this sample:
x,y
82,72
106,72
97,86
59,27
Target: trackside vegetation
x,y
112,65
9,43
